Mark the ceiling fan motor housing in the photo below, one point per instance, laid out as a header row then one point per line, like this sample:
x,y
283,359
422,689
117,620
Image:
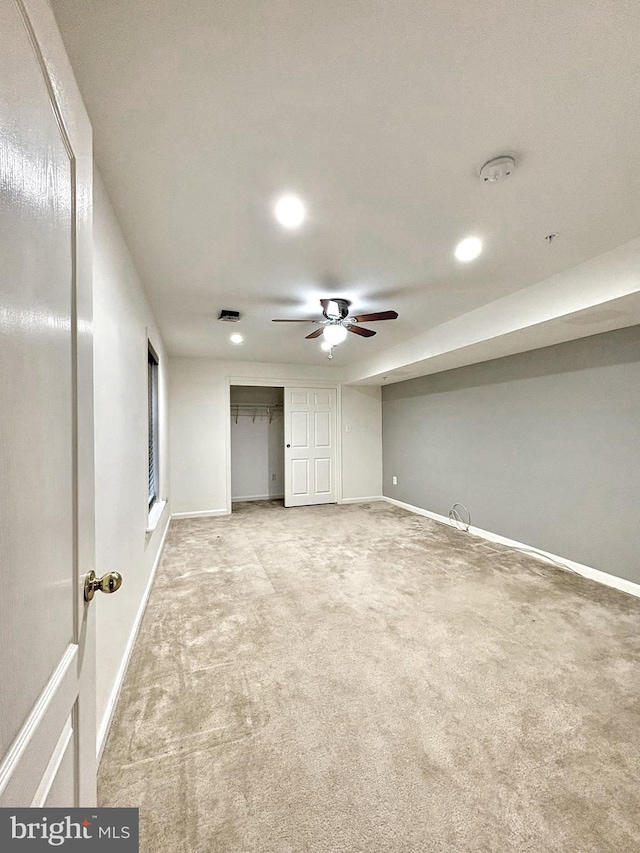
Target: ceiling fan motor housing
x,y
336,309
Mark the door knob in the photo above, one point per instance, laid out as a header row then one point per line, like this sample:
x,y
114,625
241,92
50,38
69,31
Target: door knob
x,y
111,582
288,445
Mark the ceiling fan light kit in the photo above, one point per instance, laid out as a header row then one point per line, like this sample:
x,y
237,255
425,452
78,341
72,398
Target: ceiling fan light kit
x,y
334,333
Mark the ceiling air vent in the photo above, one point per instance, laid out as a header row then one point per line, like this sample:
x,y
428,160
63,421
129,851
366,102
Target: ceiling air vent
x,y
229,316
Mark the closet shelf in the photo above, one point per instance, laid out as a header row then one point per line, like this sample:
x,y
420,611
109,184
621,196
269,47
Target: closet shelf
x,y
255,410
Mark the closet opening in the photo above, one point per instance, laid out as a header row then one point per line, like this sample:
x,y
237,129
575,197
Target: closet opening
x,y
257,443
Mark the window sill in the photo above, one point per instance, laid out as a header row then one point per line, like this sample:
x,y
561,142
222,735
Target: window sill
x,y
154,515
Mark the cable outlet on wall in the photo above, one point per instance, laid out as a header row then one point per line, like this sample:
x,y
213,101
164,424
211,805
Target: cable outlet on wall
x,y
394,480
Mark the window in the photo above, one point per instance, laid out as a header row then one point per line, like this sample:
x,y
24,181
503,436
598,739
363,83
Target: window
x,y
153,425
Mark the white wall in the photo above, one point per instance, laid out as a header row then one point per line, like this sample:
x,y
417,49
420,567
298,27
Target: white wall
x,y
361,442
199,414
122,323
257,444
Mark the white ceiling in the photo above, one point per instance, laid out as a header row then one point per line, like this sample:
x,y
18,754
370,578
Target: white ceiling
x,y
378,114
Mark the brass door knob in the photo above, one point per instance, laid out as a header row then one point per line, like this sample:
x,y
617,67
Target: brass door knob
x,y
111,582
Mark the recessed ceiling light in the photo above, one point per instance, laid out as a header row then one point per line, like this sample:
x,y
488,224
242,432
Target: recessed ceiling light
x,y
290,211
326,346
236,339
468,249
334,334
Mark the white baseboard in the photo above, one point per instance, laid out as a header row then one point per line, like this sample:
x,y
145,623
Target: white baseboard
x,y
258,498
545,556
368,500
205,513
105,723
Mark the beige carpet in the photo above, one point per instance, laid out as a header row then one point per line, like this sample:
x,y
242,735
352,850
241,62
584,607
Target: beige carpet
x,y
358,679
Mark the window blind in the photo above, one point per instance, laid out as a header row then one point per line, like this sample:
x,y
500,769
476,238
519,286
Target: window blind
x,y
153,426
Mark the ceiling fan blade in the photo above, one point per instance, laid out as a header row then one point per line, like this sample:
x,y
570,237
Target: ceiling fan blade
x,y
380,315
315,334
358,330
296,321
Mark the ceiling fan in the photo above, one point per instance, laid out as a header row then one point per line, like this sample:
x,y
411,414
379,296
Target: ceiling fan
x,y
337,321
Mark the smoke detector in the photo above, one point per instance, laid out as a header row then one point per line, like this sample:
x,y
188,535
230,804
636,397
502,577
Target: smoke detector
x,y
498,169
229,316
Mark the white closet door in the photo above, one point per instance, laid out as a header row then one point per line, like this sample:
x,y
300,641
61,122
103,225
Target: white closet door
x,y
310,446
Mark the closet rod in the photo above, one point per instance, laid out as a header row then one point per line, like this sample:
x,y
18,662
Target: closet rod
x,y
269,409
256,406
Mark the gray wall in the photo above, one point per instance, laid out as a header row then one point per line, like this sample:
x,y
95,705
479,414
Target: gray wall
x,y
542,447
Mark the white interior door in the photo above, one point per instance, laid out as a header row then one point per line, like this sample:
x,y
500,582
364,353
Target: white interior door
x,y
310,446
47,676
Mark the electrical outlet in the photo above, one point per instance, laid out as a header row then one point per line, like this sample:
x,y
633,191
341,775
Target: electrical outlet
x,y
347,427
394,480
274,477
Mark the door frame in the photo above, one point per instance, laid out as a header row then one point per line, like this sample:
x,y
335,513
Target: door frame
x,y
283,383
